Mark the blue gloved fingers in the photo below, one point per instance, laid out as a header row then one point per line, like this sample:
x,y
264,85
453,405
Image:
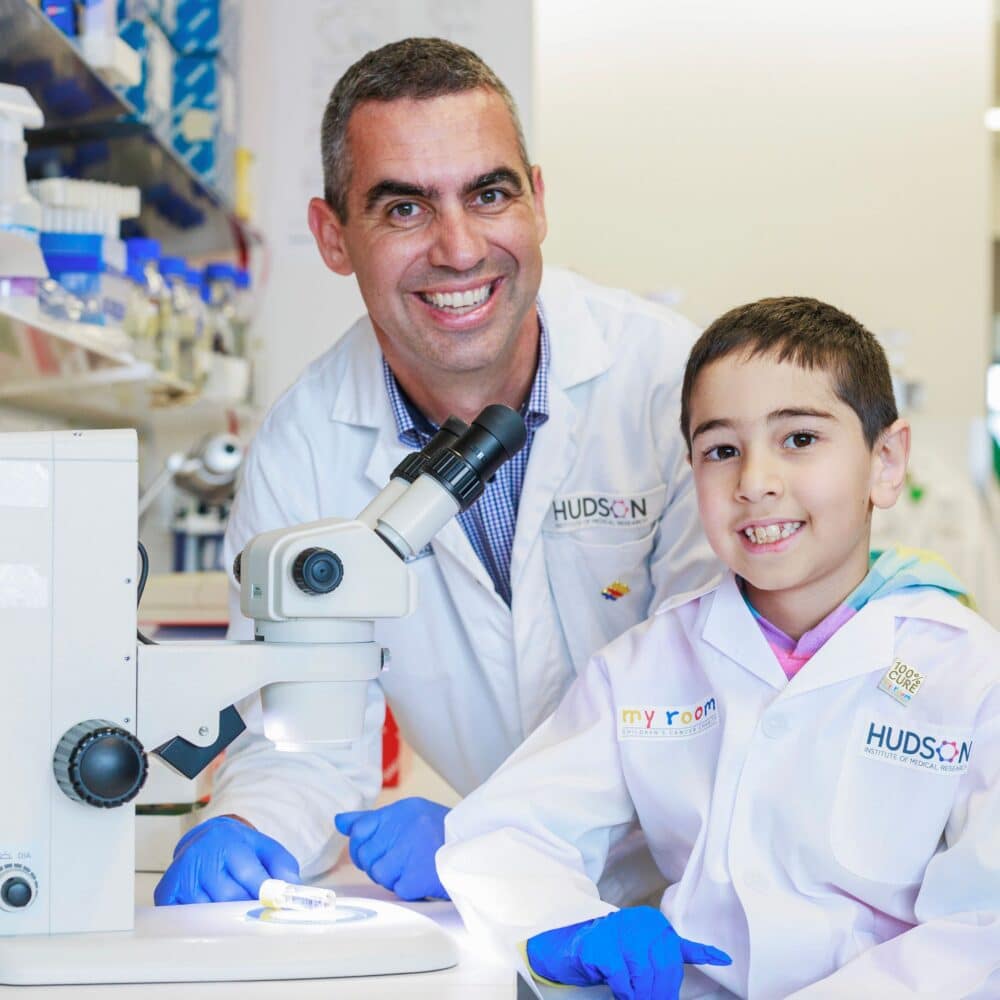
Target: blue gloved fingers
x,y
165,893
415,885
344,822
220,887
245,868
387,869
695,953
619,982
279,862
666,968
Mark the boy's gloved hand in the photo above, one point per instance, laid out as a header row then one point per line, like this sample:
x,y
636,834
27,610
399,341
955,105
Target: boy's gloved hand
x,y
221,860
635,951
395,845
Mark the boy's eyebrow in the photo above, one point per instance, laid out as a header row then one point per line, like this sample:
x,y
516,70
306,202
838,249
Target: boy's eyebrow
x,y
783,414
799,411
396,189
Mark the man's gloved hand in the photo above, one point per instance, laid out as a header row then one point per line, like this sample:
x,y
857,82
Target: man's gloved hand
x,y
395,845
221,860
635,951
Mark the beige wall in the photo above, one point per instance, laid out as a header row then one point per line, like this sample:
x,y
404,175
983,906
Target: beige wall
x,y
734,150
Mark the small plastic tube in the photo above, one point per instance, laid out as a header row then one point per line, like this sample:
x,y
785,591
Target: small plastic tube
x,y
278,895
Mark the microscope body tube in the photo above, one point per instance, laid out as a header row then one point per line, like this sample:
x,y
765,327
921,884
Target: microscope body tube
x,y
417,516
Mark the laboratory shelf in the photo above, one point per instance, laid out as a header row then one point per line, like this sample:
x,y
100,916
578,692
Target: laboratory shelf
x,y
94,133
77,371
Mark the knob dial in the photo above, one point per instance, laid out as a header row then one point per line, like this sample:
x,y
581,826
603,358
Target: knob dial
x,y
317,571
238,566
18,887
100,763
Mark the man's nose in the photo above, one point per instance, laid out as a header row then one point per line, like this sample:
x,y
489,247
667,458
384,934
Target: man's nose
x,y
459,244
759,477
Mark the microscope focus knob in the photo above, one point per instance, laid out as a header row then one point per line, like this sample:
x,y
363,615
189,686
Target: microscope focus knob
x,y
18,887
238,566
317,571
100,763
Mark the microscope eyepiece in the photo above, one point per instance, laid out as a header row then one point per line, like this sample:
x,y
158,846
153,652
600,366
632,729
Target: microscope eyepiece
x,y
415,463
465,466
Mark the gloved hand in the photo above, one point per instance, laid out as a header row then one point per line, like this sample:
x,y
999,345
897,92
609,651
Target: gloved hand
x,y
221,860
395,845
635,951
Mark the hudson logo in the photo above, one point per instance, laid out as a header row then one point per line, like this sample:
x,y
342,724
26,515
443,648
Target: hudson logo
x,y
674,722
579,510
946,753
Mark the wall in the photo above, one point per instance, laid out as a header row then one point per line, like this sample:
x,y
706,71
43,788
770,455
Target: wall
x,y
731,150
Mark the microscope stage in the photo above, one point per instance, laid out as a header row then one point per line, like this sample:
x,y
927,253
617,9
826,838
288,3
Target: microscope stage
x,y
225,942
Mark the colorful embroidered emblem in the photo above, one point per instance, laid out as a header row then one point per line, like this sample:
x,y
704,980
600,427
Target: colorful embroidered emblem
x,y
615,590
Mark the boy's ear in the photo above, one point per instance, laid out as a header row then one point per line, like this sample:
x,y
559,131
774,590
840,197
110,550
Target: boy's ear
x,y
889,458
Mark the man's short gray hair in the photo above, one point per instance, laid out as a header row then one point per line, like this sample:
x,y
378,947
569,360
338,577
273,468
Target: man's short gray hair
x,y
414,68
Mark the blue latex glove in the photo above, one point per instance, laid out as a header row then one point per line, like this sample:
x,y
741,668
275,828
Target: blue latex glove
x,y
395,845
635,951
222,860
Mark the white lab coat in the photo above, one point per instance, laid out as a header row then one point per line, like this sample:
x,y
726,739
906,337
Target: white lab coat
x,y
826,872
470,678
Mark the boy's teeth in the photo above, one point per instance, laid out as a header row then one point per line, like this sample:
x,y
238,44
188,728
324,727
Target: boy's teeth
x,y
761,534
458,300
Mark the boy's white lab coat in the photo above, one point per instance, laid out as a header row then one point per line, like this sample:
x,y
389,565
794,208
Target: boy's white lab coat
x,y
469,677
834,842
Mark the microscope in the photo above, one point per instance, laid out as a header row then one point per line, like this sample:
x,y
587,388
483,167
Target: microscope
x,y
86,703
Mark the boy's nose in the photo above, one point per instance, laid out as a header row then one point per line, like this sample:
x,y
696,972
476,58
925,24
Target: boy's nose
x,y
758,479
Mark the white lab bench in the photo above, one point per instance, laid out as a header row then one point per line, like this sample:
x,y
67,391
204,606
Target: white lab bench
x,y
478,976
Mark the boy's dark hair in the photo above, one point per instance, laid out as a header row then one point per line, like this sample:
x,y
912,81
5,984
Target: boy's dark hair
x,y
415,68
811,334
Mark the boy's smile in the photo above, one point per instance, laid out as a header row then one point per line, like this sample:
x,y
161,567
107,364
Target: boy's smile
x,y
786,483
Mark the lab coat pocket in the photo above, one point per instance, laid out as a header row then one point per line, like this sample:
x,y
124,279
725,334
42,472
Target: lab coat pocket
x,y
895,792
600,589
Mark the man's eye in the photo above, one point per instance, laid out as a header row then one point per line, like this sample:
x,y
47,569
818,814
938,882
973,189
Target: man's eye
x,y
799,440
721,452
491,197
404,210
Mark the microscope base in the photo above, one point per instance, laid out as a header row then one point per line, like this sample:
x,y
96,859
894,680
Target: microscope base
x,y
226,942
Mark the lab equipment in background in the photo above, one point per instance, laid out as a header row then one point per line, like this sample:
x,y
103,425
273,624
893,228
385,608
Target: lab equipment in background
x,y
115,60
90,700
227,311
180,321
144,305
281,895
208,473
20,213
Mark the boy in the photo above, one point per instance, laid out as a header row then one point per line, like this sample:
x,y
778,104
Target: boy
x,y
812,747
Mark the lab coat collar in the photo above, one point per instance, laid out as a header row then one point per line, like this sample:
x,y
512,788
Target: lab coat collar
x,y
731,629
579,348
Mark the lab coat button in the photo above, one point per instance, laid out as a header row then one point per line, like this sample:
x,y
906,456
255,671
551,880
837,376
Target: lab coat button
x,y
774,726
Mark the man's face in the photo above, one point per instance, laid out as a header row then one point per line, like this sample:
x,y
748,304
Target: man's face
x,y
443,231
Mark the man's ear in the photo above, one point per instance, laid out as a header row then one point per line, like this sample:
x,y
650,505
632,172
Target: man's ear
x,y
541,222
889,458
328,232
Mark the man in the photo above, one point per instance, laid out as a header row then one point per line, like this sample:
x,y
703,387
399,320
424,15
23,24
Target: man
x,y
431,202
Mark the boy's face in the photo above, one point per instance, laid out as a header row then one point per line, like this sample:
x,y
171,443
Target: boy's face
x,y
786,483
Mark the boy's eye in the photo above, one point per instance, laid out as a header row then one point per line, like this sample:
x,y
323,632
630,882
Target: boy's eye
x,y
721,452
798,440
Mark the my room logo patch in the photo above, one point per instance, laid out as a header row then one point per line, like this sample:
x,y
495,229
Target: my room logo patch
x,y
674,722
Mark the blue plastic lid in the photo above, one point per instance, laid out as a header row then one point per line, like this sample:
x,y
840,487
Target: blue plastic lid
x,y
173,266
140,249
73,263
193,276
220,271
86,244
242,278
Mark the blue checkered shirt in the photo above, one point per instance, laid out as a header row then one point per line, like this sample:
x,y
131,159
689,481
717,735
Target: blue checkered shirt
x,y
489,523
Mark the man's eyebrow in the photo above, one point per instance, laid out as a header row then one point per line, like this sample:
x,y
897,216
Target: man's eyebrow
x,y
798,411
396,189
501,175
